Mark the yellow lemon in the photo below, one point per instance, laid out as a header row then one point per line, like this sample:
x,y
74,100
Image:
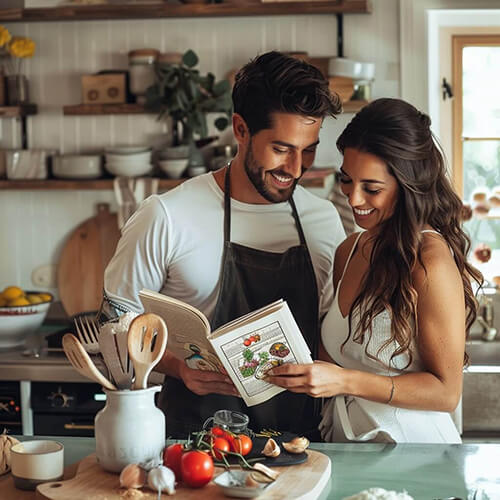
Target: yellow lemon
x,y
46,297
20,301
34,298
12,292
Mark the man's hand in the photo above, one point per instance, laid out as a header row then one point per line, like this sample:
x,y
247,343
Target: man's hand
x,y
203,382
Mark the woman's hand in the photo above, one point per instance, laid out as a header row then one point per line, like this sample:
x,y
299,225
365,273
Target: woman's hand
x,y
319,379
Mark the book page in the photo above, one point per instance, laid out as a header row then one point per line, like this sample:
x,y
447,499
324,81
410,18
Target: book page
x,y
248,351
187,327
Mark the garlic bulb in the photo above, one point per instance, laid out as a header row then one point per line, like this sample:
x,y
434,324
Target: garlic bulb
x,y
296,445
271,448
6,442
132,476
263,474
162,479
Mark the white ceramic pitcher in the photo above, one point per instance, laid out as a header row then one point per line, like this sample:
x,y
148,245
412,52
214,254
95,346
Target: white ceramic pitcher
x,y
129,429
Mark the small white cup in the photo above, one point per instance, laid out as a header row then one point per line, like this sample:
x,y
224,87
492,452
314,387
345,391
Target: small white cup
x,y
36,462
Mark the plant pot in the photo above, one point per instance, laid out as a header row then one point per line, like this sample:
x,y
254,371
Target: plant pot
x,y
17,90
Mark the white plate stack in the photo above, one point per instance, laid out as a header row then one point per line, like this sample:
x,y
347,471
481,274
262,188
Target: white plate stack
x,y
128,161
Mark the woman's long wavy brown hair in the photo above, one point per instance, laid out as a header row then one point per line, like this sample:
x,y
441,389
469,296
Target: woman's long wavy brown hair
x,y
400,135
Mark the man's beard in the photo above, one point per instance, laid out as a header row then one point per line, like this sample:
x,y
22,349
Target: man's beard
x,y
253,172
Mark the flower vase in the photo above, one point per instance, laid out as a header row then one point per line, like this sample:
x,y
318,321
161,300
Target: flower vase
x,y
17,90
129,429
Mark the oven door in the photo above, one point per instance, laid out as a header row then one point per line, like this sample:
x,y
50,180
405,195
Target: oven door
x,y
65,409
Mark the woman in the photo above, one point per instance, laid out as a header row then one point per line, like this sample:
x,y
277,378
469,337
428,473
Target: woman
x,y
394,337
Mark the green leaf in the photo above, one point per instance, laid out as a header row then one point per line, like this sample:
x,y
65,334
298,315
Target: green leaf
x,y
190,59
221,87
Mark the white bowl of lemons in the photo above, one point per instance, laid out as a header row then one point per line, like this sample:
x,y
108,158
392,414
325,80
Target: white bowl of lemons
x,y
21,313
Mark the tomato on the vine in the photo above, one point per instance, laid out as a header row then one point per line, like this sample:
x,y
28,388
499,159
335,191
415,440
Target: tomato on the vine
x,y
242,444
172,459
197,468
220,447
217,432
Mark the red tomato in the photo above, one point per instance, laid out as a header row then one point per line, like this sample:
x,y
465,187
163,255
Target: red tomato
x,y
219,445
197,468
172,459
246,342
217,432
242,444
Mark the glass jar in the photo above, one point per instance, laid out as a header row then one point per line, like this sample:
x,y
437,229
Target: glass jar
x,y
222,156
130,429
142,71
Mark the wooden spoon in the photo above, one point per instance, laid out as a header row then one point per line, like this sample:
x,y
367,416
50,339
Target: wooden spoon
x,y
147,341
81,361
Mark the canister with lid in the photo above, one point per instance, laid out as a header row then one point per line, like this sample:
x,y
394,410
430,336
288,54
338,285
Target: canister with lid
x,y
142,71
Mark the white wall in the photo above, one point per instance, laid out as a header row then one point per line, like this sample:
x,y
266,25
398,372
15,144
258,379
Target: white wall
x,y
34,225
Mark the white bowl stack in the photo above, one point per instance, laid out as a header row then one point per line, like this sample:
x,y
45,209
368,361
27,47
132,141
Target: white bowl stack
x,y
128,161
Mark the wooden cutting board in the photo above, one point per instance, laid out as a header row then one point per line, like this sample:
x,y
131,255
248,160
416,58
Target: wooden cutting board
x,y
303,481
84,257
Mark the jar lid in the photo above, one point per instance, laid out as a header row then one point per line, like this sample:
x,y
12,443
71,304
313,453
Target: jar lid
x,y
143,52
170,57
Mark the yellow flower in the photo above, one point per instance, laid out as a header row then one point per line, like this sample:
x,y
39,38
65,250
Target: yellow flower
x,y
21,46
5,36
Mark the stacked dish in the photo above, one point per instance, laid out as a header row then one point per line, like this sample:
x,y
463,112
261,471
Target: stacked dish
x,y
128,161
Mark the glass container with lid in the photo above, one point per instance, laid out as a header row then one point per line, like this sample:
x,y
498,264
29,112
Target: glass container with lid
x,y
141,70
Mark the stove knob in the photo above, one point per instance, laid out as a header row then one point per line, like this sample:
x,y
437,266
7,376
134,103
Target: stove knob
x,y
59,399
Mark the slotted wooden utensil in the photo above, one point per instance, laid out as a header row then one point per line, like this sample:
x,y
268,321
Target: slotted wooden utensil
x,y
147,341
81,361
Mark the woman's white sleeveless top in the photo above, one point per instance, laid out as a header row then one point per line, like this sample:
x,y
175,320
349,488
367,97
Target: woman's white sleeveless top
x,y
347,418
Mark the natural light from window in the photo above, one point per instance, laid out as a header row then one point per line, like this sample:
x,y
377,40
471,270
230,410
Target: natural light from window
x,y
481,148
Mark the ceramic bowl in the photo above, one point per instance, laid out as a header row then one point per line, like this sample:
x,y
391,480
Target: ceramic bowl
x,y
127,150
18,322
195,170
77,166
131,158
36,462
232,484
135,169
173,168
340,66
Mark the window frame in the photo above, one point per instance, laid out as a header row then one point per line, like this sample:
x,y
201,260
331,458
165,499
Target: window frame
x,y
459,42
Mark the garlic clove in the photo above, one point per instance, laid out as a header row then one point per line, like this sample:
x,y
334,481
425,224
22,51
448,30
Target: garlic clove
x,y
296,445
271,448
263,474
132,476
162,478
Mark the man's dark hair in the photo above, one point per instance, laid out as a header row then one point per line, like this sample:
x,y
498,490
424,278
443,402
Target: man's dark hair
x,y
275,82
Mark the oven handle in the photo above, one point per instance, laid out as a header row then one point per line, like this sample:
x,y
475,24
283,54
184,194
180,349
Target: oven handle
x,y
79,427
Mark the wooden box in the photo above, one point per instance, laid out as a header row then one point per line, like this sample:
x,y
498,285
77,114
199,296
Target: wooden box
x,y
104,89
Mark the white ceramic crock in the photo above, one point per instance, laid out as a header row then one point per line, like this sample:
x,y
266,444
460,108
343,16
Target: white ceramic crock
x,y
129,429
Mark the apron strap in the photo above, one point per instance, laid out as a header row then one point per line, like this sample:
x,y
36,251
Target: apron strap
x,y
227,206
297,222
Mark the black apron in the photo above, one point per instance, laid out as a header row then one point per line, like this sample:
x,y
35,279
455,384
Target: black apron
x,y
251,279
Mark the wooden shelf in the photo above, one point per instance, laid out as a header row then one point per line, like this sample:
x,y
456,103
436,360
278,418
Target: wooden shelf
x,y
313,178
104,109
353,106
18,111
171,9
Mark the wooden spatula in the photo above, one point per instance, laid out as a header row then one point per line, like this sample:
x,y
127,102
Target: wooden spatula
x,y
147,341
81,361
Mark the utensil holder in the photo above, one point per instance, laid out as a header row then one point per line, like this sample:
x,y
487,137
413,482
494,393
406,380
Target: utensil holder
x,y
129,429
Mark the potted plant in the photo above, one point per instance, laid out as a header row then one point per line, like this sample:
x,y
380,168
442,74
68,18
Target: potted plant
x,y
184,96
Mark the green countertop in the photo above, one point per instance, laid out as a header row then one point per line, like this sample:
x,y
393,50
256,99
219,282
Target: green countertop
x,y
426,472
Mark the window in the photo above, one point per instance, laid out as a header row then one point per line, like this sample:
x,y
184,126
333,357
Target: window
x,y
476,137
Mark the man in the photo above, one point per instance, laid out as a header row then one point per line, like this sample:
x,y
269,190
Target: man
x,y
235,240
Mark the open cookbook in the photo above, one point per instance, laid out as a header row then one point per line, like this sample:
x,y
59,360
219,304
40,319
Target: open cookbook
x,y
246,348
